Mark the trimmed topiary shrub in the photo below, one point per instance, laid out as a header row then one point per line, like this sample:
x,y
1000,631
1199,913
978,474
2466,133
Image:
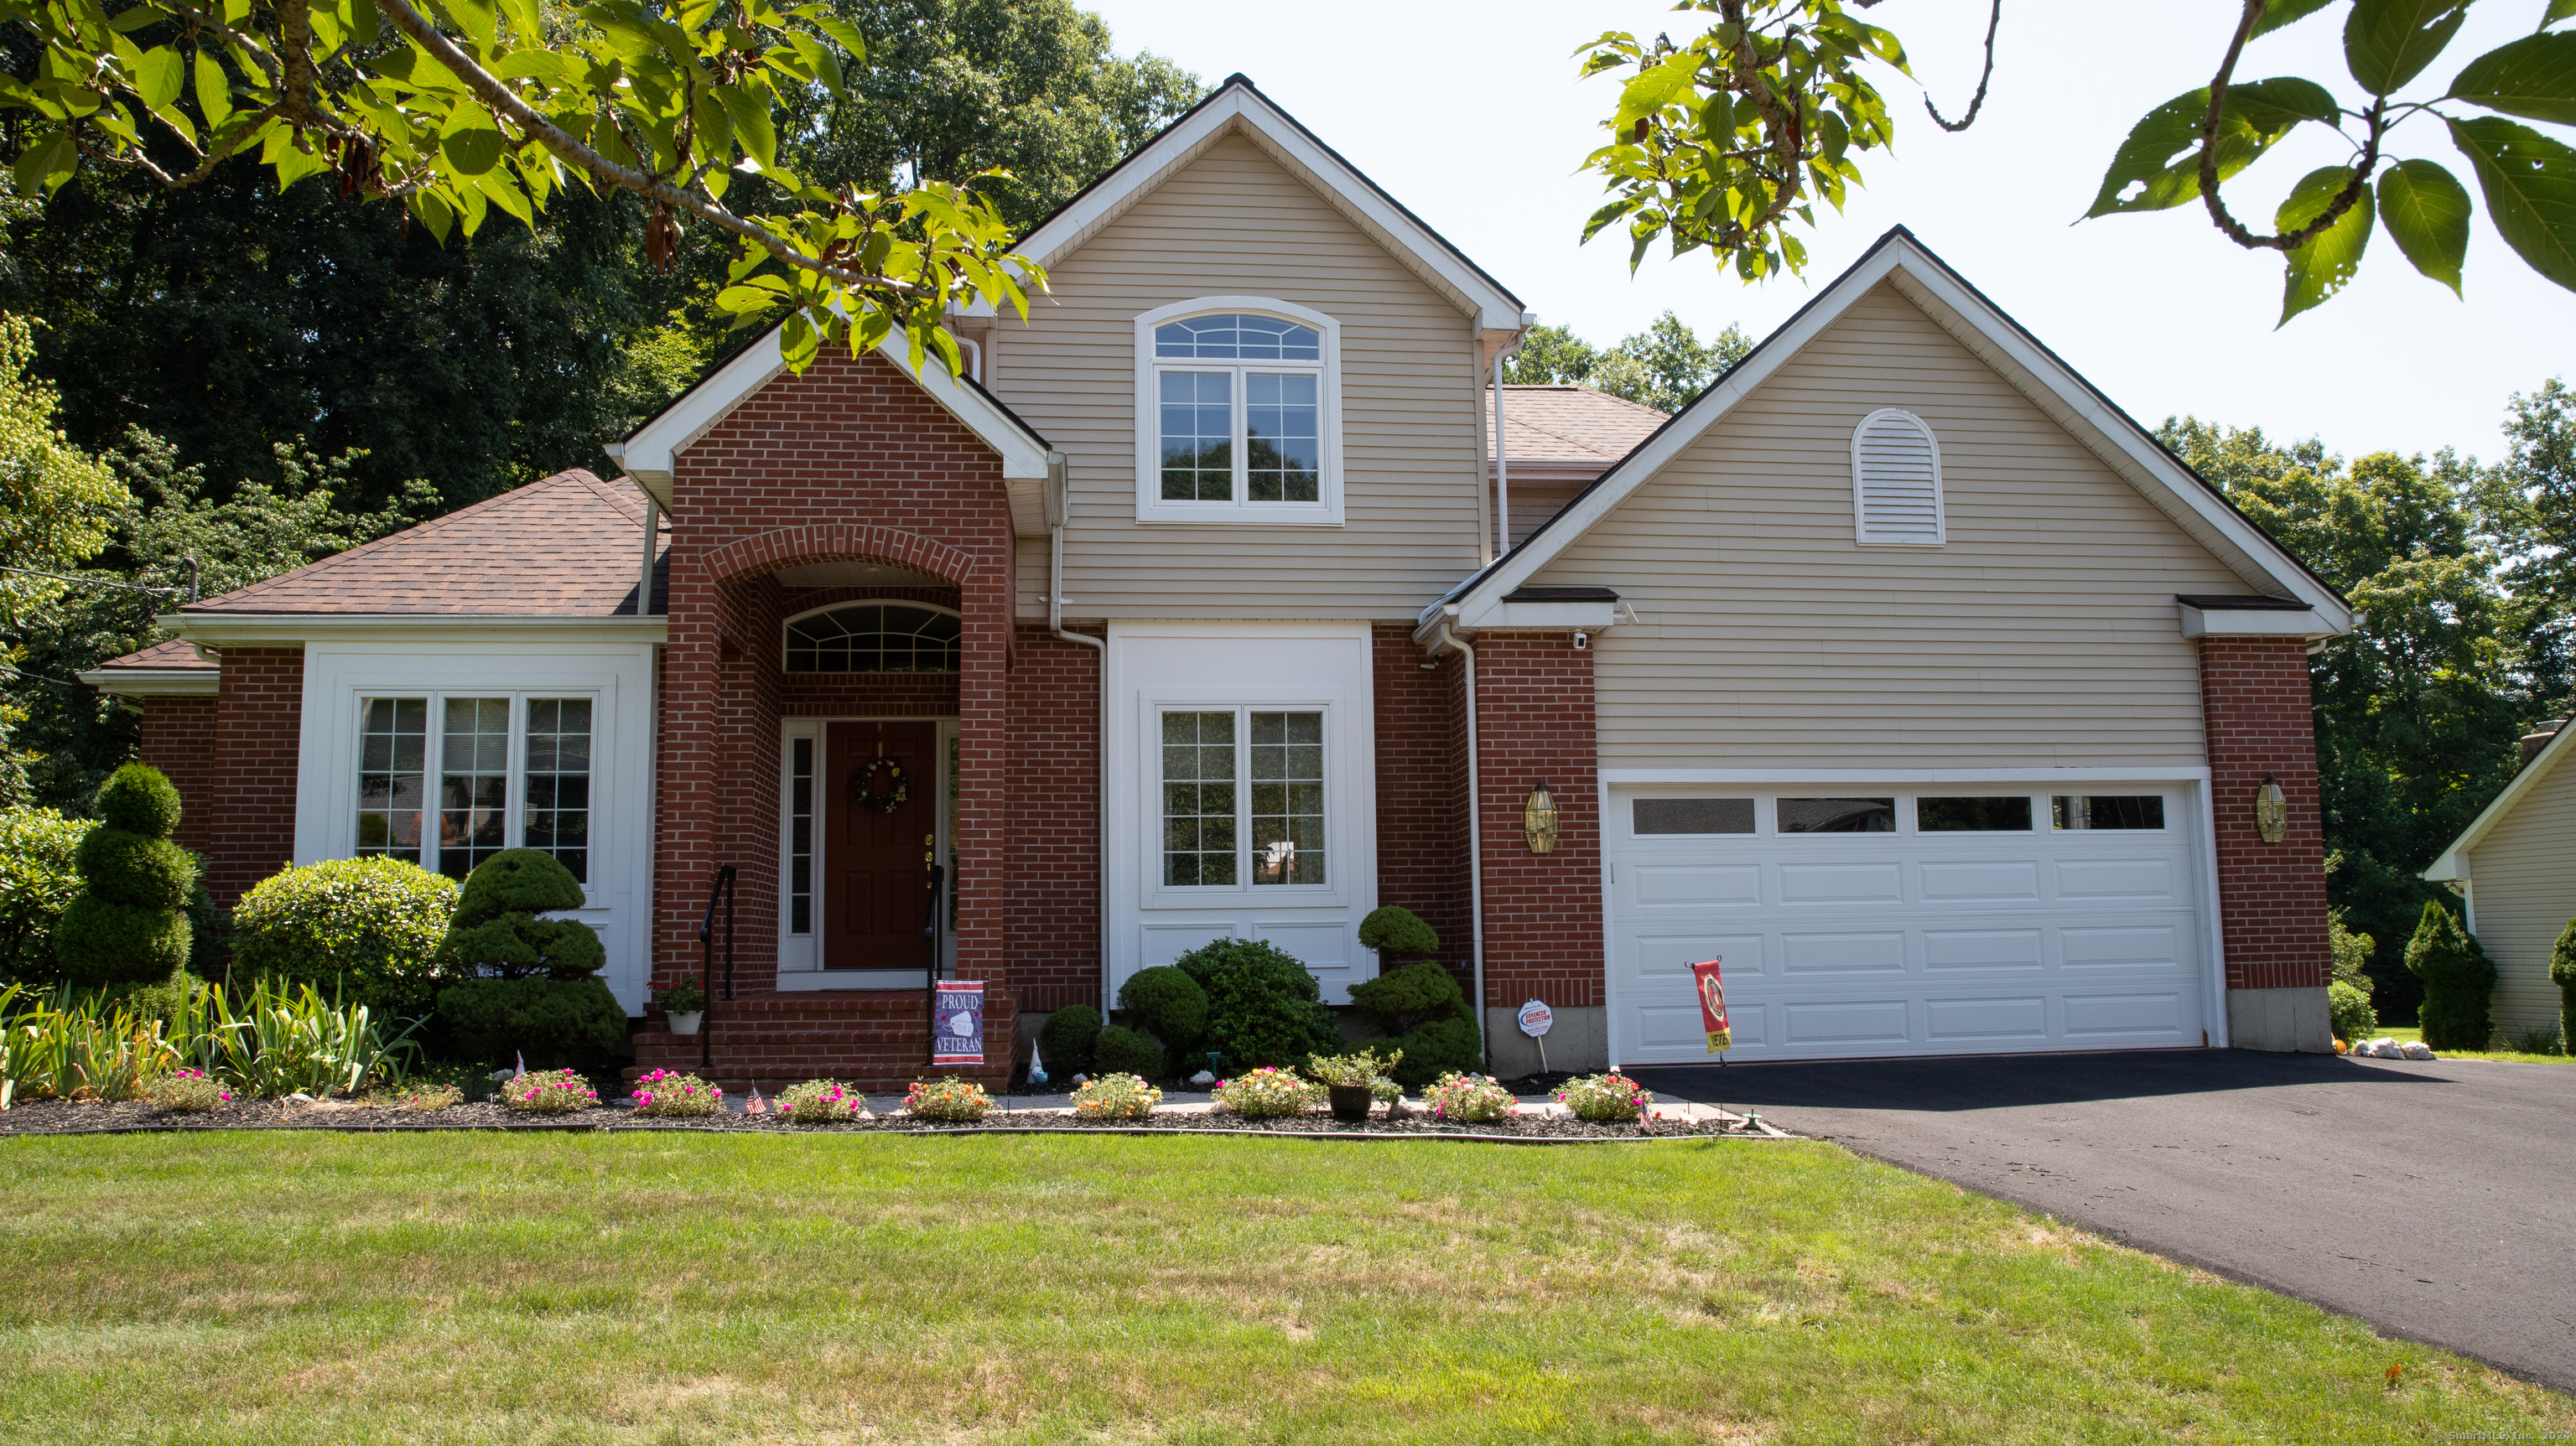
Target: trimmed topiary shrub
x,y
37,883
2458,980
128,925
1126,1051
369,929
1169,1003
1067,1039
1396,933
1426,1013
1263,1007
2562,972
527,984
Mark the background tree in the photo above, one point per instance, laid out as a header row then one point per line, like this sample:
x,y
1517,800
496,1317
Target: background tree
x,y
1662,367
2529,506
2418,707
1726,140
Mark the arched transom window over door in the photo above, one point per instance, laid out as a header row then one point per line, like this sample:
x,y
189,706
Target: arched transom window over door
x,y
1238,413
891,637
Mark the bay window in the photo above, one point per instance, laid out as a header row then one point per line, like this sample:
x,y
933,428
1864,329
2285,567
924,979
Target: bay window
x,y
512,770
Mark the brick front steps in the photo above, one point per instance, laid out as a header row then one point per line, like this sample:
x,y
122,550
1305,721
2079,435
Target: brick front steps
x,y
878,1041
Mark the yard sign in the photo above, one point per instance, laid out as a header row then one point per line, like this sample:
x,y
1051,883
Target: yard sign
x,y
957,1022
1712,1006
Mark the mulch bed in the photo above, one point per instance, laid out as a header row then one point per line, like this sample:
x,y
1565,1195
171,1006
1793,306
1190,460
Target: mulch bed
x,y
62,1117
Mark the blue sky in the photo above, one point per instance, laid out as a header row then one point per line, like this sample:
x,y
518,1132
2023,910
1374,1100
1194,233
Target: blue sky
x,y
1470,113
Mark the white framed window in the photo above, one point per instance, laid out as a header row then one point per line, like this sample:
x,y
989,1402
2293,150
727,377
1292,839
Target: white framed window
x,y
511,770
874,637
1896,481
1243,798
1238,413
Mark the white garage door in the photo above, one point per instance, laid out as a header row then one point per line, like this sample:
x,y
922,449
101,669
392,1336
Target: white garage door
x,y
1906,921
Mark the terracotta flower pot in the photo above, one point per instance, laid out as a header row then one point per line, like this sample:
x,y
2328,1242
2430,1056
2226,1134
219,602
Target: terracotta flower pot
x,y
1351,1102
688,1023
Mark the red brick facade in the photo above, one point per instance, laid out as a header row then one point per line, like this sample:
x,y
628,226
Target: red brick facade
x,y
1053,916
850,462
179,736
2272,897
1542,911
259,730
1422,790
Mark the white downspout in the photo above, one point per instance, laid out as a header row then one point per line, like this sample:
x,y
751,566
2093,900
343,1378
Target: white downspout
x,y
652,535
1058,506
1475,850
1502,469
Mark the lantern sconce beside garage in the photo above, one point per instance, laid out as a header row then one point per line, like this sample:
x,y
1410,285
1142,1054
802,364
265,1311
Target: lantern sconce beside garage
x,y
1538,819
2271,811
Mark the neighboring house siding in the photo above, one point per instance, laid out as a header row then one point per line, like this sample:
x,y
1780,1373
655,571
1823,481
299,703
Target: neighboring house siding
x,y
1233,222
2523,881
2044,633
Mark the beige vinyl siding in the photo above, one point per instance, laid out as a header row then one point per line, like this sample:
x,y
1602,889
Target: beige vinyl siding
x,y
1235,222
2045,633
2522,880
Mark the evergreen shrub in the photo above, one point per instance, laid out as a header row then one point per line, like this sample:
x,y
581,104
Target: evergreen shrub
x,y
1426,1013
1263,1007
2562,972
368,929
525,984
1126,1051
1066,1040
1398,933
37,883
2354,1018
1170,1004
128,925
2459,982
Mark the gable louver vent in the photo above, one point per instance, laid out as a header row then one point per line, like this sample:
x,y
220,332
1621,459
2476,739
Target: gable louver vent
x,y
1896,480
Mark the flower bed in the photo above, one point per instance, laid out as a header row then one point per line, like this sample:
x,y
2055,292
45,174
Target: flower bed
x,y
1115,1097
821,1102
549,1092
1266,1093
669,1093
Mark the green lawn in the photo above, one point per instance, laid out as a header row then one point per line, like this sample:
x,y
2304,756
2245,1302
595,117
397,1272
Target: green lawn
x,y
709,1288
2510,1056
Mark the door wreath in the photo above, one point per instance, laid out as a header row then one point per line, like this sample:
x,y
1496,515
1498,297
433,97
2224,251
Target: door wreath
x,y
863,786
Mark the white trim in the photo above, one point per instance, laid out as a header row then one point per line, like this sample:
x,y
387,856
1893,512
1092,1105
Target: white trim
x,y
2453,865
1905,775
154,682
649,452
1239,106
1861,533
254,629
1150,505
619,678
2254,623
1900,254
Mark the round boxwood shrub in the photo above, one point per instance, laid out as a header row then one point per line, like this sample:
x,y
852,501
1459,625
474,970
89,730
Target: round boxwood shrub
x,y
1169,1003
1127,1051
37,883
366,928
1263,1007
127,926
1426,1013
1066,1040
2458,981
496,930
1398,933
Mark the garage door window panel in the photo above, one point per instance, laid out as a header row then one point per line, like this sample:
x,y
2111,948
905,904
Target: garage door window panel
x,y
2008,813
2108,811
1691,816
1837,815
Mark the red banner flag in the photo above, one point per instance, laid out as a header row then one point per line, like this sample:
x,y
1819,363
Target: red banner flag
x,y
1712,1005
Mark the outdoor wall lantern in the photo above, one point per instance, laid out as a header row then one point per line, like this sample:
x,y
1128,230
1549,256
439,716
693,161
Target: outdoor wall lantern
x,y
2271,810
1538,819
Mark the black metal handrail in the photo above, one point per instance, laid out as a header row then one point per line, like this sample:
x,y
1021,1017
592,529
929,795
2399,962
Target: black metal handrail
x,y
930,986
723,889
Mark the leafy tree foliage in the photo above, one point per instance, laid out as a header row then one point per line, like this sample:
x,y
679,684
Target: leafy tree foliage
x,y
2417,708
2530,507
1724,139
1662,367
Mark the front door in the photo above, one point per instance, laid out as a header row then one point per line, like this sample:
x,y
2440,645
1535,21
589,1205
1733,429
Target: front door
x,y
878,850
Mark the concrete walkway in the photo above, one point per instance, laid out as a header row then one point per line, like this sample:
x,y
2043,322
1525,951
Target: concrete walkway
x,y
2436,1201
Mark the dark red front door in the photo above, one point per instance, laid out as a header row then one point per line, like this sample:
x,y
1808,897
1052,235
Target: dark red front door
x,y
876,858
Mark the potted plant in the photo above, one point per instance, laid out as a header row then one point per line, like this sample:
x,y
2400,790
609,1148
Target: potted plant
x,y
685,1002
1350,1080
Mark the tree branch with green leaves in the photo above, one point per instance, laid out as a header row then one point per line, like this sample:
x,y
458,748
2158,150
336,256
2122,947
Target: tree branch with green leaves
x,y
1693,163
456,109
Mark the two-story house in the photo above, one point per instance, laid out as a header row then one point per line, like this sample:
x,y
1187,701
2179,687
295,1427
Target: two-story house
x,y
1901,669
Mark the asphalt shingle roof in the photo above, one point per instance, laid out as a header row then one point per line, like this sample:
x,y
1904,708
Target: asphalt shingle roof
x,y
565,546
162,657
1569,424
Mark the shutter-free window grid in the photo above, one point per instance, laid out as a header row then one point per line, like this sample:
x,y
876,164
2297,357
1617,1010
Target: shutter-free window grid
x,y
1896,480
473,783
393,762
1198,436
874,638
1242,434
800,839
1287,798
1198,799
558,787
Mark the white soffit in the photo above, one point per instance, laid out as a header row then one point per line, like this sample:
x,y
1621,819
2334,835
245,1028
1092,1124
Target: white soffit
x,y
2454,862
648,453
1240,107
2000,342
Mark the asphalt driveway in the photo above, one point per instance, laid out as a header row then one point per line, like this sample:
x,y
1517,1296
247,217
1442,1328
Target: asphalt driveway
x,y
2437,1201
